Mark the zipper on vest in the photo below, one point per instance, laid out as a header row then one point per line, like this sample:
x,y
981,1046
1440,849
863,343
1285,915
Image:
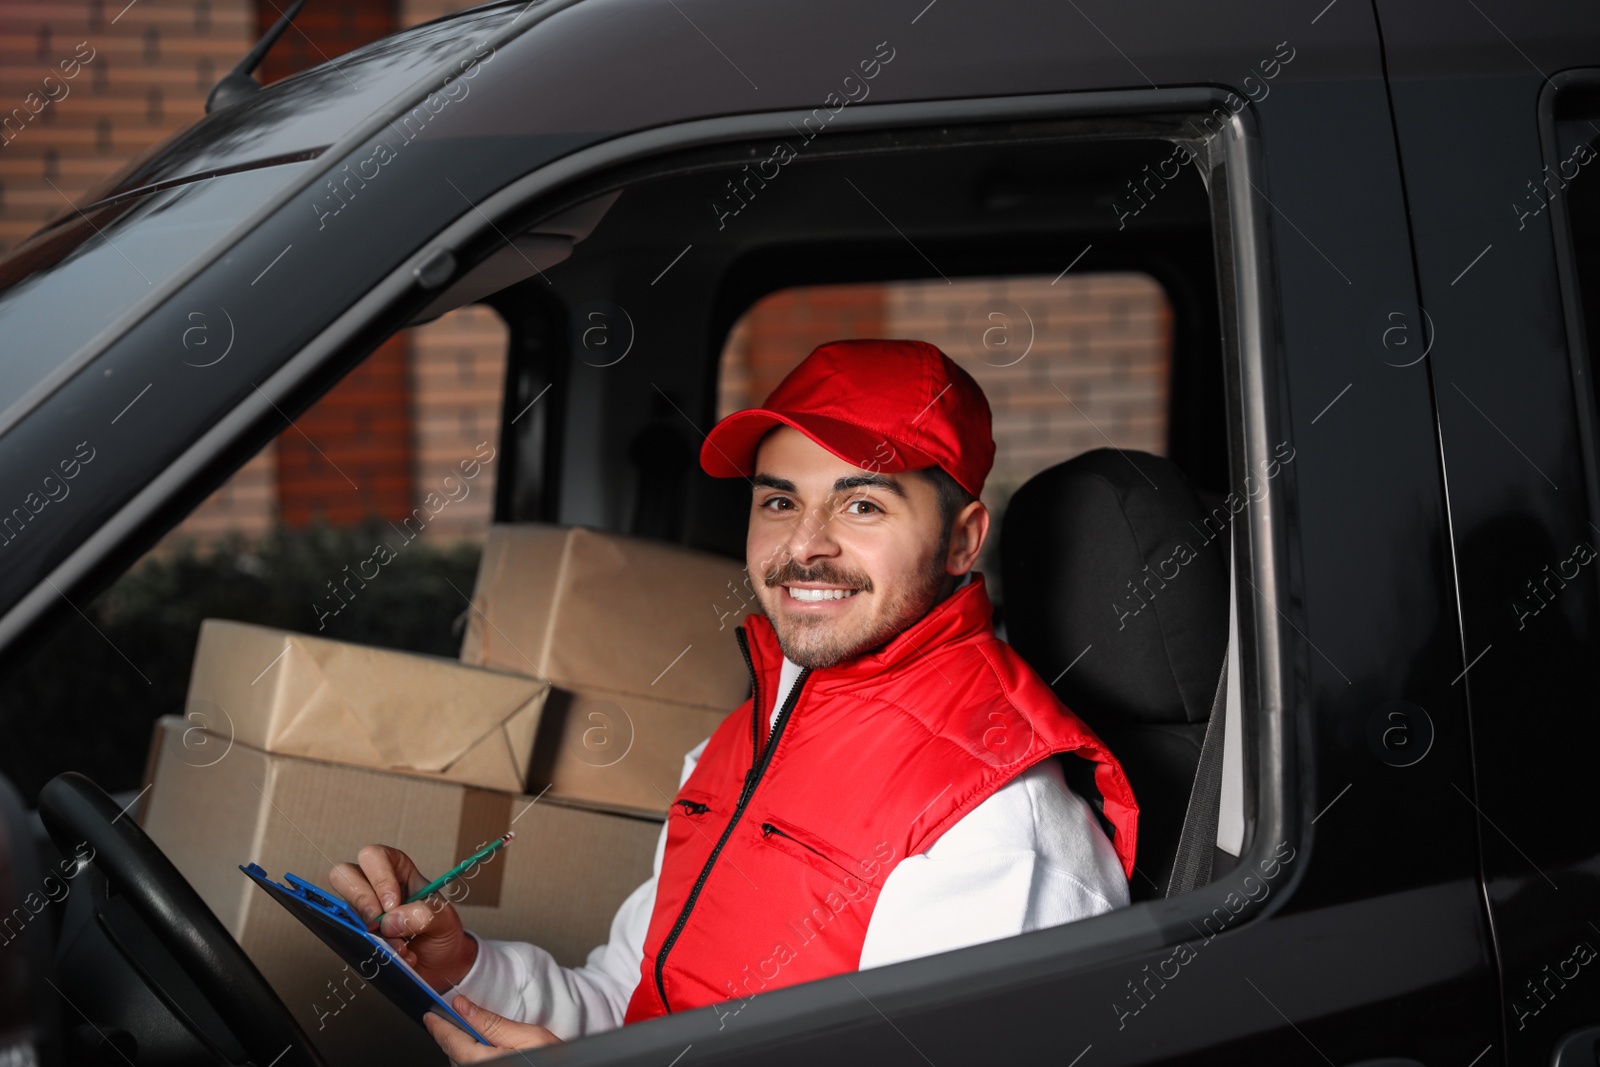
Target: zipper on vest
x,y
693,807
763,757
755,697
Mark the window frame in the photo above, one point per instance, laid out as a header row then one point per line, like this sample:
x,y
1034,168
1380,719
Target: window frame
x,y
1586,400
1274,692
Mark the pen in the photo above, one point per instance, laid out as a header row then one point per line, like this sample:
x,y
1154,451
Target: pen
x,y
455,872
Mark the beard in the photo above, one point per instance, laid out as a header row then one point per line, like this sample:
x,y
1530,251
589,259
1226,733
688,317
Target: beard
x,y
816,642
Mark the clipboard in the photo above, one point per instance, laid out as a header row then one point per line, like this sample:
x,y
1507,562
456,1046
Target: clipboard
x,y
337,924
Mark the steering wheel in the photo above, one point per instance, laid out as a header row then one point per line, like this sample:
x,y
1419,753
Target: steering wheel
x,y
76,811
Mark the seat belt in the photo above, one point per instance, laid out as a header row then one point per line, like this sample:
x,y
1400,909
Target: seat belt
x,y
1191,866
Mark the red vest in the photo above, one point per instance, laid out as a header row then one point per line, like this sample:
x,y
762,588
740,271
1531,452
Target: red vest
x,y
777,850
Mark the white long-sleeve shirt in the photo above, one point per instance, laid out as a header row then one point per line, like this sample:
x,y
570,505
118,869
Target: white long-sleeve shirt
x,y
1028,857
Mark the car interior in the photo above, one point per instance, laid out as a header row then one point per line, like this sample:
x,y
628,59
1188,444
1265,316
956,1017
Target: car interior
x,y
622,297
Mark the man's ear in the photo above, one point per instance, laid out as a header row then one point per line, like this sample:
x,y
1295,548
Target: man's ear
x,y
967,535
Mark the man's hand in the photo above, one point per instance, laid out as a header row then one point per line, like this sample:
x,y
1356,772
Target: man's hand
x,y
427,934
462,1048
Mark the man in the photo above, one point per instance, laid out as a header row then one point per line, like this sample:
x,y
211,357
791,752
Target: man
x,y
886,792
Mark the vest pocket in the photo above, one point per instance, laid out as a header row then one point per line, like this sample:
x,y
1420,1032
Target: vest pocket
x,y
691,803
810,849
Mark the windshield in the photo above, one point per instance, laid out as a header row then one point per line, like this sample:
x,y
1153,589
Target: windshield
x,y
62,287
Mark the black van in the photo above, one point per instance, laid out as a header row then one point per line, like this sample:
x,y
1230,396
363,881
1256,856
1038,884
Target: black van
x,y
1379,229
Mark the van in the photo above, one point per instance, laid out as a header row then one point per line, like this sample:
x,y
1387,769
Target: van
x,y
1375,233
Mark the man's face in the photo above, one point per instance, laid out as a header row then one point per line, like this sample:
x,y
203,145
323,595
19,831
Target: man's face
x,y
843,559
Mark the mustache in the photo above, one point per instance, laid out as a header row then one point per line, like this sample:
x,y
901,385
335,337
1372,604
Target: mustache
x,y
789,571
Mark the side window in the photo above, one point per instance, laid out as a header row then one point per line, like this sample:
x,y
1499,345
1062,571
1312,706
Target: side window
x,y
1069,363
370,478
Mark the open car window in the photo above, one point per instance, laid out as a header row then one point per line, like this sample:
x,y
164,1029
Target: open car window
x,y
599,329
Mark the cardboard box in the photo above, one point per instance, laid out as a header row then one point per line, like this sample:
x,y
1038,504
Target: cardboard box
x,y
298,695
216,805
581,607
616,751
637,639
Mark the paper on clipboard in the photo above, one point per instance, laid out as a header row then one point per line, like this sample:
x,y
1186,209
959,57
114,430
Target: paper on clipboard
x,y
333,920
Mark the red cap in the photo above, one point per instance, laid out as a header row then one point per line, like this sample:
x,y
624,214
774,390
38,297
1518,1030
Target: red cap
x,y
886,406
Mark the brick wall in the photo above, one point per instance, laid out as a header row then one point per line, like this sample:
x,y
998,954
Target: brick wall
x,y
320,32
349,456
1095,375
782,329
153,61
458,373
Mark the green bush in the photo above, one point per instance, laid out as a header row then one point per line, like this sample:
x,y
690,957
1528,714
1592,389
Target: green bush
x,y
87,700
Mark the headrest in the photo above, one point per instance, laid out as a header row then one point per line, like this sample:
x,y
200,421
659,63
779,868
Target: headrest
x,y
1113,552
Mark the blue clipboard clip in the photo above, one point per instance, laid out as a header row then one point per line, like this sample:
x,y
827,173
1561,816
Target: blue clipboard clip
x,y
337,924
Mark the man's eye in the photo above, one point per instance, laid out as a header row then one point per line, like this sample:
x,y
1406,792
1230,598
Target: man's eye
x,y
862,507
777,503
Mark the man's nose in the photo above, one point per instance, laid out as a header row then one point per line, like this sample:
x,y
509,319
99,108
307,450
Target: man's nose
x,y
813,537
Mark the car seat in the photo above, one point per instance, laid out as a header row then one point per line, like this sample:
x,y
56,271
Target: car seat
x,y
1116,583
